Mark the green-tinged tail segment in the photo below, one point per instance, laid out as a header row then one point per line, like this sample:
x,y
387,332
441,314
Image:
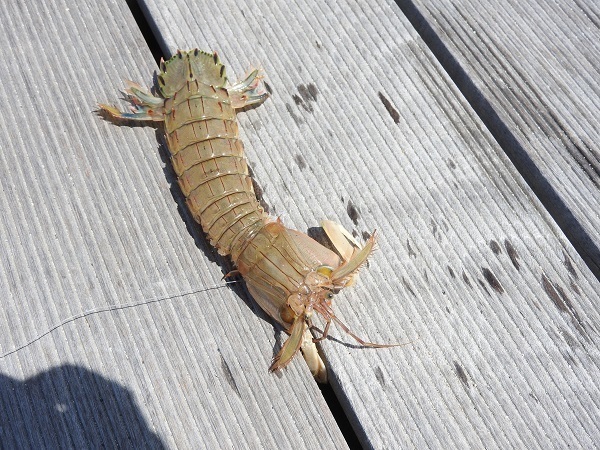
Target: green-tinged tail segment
x,y
184,67
189,66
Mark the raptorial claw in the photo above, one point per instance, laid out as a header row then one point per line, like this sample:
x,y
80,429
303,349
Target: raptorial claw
x,y
291,345
301,338
349,270
312,358
349,249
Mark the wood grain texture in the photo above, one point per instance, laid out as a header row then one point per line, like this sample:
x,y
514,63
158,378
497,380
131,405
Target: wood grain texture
x,y
531,70
90,218
366,128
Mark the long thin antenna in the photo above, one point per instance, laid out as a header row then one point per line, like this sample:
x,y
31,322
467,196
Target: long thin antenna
x,y
108,308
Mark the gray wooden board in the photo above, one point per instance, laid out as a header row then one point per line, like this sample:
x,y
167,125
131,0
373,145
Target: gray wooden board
x,y
88,219
533,68
365,127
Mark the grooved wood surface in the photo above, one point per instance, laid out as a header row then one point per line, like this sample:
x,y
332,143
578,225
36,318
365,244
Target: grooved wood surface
x,y
90,218
532,70
365,127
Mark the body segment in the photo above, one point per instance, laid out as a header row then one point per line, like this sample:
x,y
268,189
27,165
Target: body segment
x,y
290,275
207,155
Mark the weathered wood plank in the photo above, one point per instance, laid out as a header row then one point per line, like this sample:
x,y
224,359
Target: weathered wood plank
x,y
531,70
89,220
502,309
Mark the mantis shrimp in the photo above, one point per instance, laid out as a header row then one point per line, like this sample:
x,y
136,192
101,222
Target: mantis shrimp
x,y
290,275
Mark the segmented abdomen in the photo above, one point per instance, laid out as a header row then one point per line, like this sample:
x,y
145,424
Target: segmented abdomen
x,y
208,158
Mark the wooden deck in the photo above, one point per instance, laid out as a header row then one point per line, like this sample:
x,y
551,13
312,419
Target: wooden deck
x,y
466,134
